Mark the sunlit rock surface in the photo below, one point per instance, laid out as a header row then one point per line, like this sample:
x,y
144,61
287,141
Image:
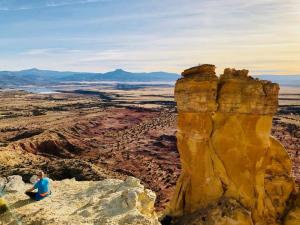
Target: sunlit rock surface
x,y
226,150
107,202
11,184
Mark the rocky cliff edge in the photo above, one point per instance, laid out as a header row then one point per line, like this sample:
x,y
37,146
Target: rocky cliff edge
x,y
107,202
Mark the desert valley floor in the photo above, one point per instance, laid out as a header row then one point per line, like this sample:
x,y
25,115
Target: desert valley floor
x,y
90,134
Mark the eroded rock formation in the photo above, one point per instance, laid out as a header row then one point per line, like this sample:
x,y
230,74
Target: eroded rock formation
x,y
227,152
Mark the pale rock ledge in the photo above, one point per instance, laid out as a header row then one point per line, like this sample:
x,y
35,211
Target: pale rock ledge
x,y
107,202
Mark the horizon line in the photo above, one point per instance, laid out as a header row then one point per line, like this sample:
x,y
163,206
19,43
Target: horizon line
x,y
114,70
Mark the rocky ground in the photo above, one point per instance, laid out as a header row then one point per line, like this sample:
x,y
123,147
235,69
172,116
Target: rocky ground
x,y
107,202
287,131
93,136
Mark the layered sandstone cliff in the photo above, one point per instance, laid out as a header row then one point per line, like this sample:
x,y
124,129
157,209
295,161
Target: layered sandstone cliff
x,y
233,171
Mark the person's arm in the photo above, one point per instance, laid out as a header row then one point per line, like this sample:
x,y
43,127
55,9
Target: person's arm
x,y
33,188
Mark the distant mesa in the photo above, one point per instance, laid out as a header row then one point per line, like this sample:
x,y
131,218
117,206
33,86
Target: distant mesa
x,y
119,70
32,69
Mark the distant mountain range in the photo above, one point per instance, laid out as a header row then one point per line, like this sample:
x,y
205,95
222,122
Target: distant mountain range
x,y
48,77
283,80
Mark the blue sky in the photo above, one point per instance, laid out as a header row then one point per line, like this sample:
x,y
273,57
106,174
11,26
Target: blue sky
x,y
152,35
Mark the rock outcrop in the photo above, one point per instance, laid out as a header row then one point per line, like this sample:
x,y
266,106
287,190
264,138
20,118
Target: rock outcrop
x,y
11,184
107,202
227,152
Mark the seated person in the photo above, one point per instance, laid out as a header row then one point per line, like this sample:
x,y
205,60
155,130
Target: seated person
x,y
42,186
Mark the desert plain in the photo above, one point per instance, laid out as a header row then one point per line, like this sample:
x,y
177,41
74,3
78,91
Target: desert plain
x,y
93,132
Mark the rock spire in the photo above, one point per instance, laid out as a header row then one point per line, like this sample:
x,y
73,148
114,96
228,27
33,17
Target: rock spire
x,y
233,171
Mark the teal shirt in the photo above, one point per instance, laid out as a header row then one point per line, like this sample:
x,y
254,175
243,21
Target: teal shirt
x,y
43,187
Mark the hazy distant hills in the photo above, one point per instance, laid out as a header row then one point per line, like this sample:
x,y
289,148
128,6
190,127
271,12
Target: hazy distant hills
x,y
283,80
48,77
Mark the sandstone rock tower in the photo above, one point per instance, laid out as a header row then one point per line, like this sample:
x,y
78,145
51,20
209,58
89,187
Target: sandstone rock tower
x,y
233,171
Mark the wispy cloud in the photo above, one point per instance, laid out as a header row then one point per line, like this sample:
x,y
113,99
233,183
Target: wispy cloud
x,y
19,5
39,52
104,55
272,71
49,51
86,35
57,3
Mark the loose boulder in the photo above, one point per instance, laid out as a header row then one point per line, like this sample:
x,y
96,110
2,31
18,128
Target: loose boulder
x,y
12,184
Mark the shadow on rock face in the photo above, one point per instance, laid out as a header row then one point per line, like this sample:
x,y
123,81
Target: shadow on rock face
x,y
167,220
225,211
21,203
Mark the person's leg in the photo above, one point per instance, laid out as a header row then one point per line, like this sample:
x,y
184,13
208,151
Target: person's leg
x,y
31,195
